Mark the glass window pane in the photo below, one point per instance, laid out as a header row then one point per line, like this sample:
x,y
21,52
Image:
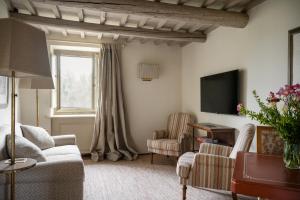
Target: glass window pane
x,y
76,82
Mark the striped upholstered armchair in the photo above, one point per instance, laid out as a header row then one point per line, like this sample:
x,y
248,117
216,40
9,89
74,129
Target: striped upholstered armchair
x,y
175,140
213,166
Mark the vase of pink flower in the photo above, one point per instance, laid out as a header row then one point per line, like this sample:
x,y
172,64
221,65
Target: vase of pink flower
x,y
282,112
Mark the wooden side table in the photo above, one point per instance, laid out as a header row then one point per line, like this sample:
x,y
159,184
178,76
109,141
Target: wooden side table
x,y
7,168
224,134
264,176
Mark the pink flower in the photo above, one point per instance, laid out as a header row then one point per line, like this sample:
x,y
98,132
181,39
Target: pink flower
x,y
239,107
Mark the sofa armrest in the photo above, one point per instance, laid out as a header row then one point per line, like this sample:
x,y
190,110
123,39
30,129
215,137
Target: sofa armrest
x,y
159,134
215,149
61,140
59,168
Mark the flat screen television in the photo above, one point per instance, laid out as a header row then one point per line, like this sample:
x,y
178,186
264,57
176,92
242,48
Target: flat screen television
x,y
219,93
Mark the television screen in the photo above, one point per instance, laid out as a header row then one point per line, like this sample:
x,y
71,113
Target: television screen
x,y
219,93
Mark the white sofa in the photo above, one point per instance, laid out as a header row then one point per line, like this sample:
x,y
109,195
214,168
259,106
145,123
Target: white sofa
x,y
59,178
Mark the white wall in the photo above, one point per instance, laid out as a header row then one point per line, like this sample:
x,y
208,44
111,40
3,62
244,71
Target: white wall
x,y
148,103
260,51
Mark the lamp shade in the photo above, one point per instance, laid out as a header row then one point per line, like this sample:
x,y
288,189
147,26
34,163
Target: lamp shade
x,y
23,50
36,83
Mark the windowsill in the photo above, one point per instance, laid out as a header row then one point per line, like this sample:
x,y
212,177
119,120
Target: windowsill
x,y
74,116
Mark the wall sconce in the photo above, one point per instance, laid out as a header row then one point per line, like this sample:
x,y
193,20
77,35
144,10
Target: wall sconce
x,y
147,72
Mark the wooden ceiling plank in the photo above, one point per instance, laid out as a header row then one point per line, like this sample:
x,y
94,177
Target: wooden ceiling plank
x,y
127,31
161,23
116,36
64,32
81,15
181,2
82,34
56,11
178,26
142,22
252,4
234,3
124,20
195,28
102,17
157,10
30,7
99,36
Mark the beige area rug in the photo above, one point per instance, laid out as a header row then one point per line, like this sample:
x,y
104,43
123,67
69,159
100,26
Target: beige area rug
x,y
139,180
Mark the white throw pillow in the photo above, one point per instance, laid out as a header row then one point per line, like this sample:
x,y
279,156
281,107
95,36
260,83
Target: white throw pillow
x,y
38,136
25,149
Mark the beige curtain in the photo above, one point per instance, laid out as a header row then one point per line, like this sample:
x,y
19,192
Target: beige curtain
x,y
110,130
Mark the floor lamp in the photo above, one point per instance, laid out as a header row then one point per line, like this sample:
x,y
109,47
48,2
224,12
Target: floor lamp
x,y
37,84
23,53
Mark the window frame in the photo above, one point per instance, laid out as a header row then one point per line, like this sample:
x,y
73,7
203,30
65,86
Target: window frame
x,y
58,110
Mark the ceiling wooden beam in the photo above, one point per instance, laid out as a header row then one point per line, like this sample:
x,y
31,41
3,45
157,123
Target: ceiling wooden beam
x,y
127,31
157,10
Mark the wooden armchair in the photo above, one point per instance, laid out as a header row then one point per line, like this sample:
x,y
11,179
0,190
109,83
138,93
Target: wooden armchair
x,y
175,140
213,166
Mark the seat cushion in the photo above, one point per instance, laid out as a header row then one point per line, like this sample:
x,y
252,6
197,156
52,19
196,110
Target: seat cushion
x,y
62,150
5,130
184,164
25,149
164,144
39,136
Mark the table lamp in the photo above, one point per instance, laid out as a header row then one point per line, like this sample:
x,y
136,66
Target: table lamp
x,y
36,83
23,53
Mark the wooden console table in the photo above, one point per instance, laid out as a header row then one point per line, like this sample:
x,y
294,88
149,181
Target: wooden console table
x,y
225,135
264,176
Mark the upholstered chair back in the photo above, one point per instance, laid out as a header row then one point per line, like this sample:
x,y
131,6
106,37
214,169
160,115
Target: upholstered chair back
x,y
177,124
244,140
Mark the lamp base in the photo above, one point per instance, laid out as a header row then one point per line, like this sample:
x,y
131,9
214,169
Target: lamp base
x,y
18,160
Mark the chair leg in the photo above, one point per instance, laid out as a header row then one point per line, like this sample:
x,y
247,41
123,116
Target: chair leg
x,y
151,161
234,196
184,192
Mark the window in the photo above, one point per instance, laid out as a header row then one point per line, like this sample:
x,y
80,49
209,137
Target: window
x,y
75,81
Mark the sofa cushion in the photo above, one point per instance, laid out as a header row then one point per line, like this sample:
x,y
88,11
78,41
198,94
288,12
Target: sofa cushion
x,y
62,150
25,149
39,136
5,130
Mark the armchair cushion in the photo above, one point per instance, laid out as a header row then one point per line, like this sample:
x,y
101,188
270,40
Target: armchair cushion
x,y
215,149
164,146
